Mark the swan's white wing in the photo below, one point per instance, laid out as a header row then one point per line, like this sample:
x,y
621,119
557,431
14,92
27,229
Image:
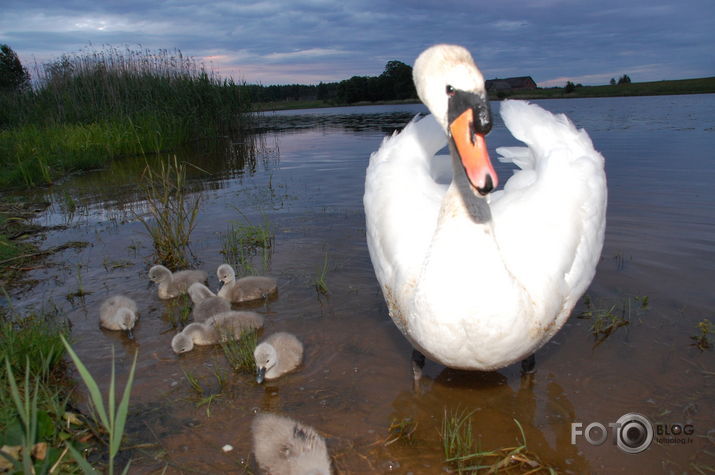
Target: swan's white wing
x,y
550,218
402,200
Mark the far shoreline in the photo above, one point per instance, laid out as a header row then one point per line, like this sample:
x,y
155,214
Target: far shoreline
x,y
654,88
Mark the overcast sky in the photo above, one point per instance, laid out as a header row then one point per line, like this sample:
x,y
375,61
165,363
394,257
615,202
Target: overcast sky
x,y
307,41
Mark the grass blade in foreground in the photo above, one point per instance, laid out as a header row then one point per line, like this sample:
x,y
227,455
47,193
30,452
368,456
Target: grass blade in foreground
x,y
114,424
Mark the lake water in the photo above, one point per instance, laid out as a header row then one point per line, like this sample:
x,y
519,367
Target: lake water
x,y
306,179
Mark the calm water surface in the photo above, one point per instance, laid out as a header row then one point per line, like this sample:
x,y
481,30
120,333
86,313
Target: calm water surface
x,y
306,178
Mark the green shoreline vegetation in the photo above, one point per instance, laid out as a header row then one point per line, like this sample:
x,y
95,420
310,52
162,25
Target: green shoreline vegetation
x,y
98,105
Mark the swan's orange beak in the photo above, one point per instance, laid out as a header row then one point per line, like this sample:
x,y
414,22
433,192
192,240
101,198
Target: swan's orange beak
x,y
472,150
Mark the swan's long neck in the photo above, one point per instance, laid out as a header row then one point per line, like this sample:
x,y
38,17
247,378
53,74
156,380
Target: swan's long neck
x,y
460,200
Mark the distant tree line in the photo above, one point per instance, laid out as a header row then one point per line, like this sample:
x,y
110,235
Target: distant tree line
x,y
621,80
395,83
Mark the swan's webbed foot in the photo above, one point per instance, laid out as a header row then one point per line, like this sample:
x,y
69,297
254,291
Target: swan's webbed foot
x,y
528,365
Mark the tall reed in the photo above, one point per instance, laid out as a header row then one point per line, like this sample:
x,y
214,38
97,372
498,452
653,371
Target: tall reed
x,y
100,104
172,212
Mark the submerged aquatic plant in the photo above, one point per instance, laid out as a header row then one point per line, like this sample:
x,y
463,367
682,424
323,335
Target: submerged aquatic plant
x,y
321,284
400,429
172,212
702,339
606,320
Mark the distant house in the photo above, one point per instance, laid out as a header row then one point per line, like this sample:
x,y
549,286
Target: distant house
x,y
510,84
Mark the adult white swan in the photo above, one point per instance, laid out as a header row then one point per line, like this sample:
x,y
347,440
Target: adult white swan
x,y
476,280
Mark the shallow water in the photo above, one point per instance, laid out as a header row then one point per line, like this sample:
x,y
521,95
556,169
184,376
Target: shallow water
x,y
306,178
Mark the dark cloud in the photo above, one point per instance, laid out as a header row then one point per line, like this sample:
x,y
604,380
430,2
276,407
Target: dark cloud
x,y
311,40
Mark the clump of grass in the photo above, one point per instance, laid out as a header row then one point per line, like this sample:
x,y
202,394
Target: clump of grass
x,y
178,311
194,383
242,242
205,398
81,291
172,213
239,353
321,283
606,320
114,418
460,452
456,433
702,339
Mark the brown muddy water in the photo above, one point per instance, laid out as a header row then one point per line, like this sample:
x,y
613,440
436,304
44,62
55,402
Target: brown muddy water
x,y
306,179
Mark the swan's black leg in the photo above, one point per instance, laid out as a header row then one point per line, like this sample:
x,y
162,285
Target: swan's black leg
x,y
418,362
528,365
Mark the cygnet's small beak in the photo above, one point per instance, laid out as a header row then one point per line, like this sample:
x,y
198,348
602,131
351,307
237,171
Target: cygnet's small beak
x,y
130,334
261,375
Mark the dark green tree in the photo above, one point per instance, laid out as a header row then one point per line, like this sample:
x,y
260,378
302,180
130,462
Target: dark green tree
x,y
13,75
613,81
624,79
570,87
397,77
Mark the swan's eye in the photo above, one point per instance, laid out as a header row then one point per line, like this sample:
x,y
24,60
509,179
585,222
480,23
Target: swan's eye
x,y
450,90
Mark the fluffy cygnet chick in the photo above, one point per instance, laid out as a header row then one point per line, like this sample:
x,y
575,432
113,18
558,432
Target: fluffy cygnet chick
x,y
174,284
246,288
221,327
278,354
206,303
284,446
118,313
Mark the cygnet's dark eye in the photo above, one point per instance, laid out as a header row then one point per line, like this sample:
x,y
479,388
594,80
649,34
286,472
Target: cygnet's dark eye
x,y
449,90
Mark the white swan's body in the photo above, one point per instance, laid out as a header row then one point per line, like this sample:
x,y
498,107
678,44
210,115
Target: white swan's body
x,y
480,282
118,312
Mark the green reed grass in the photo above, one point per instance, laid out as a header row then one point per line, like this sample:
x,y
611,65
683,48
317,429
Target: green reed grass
x,y
242,242
100,104
321,283
194,383
239,353
456,433
114,418
461,452
172,212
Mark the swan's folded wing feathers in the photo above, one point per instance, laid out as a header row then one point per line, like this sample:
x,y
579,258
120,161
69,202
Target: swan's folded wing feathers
x,y
552,214
402,199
